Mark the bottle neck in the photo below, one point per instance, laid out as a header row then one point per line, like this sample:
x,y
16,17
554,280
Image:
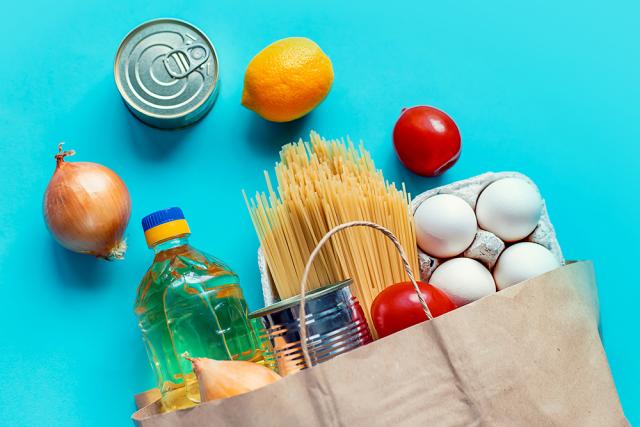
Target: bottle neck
x,y
171,243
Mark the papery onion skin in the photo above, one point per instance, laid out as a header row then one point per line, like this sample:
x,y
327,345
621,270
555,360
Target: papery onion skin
x,y
220,379
87,208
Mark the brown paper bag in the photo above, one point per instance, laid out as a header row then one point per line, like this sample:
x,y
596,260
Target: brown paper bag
x,y
529,355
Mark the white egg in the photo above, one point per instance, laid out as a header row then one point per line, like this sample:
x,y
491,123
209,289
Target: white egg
x,y
464,280
523,261
445,225
510,208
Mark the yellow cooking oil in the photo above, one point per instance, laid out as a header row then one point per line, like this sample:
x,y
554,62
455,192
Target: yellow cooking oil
x,y
191,303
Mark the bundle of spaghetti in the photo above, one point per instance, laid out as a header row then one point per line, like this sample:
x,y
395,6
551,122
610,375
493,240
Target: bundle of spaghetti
x,y
321,184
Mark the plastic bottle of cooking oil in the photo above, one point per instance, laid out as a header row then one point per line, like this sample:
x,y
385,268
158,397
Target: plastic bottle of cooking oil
x,y
188,302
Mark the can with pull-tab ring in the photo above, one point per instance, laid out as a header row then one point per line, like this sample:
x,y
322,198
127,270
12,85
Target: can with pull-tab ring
x,y
167,73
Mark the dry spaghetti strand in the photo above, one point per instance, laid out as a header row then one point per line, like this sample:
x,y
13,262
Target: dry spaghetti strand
x,y
321,184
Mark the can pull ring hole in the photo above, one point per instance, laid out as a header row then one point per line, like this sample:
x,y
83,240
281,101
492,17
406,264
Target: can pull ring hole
x,y
182,61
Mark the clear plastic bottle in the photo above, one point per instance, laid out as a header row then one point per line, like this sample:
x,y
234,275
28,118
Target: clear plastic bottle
x,y
190,302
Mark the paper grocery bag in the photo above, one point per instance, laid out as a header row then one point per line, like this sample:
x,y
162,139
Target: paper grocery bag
x,y
529,355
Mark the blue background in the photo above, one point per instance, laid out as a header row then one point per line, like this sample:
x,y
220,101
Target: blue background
x,y
546,88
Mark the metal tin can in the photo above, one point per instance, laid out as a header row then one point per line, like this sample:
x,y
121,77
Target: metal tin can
x,y
167,73
335,322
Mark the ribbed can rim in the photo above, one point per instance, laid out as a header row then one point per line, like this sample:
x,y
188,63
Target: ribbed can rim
x,y
293,301
133,103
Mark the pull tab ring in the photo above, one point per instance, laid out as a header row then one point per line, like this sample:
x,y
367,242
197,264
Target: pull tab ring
x,y
182,61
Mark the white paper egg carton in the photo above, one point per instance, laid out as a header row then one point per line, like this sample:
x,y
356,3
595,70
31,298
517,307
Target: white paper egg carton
x,y
269,292
486,247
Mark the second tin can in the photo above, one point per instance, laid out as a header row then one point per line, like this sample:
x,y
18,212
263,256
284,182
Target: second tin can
x,y
335,322
167,73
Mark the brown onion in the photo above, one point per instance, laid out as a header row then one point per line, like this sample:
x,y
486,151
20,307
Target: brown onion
x,y
87,208
219,379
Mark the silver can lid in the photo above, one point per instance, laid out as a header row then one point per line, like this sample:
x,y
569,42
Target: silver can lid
x,y
295,301
166,69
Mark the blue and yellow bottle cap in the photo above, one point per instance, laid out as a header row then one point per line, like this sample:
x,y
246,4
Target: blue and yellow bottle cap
x,y
163,225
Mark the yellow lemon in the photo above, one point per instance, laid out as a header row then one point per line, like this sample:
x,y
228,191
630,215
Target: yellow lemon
x,y
287,79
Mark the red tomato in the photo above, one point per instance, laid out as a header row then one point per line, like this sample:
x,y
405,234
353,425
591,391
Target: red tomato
x,y
398,307
427,140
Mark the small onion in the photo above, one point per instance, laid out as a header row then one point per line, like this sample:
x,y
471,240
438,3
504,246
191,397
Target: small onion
x,y
219,379
87,208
